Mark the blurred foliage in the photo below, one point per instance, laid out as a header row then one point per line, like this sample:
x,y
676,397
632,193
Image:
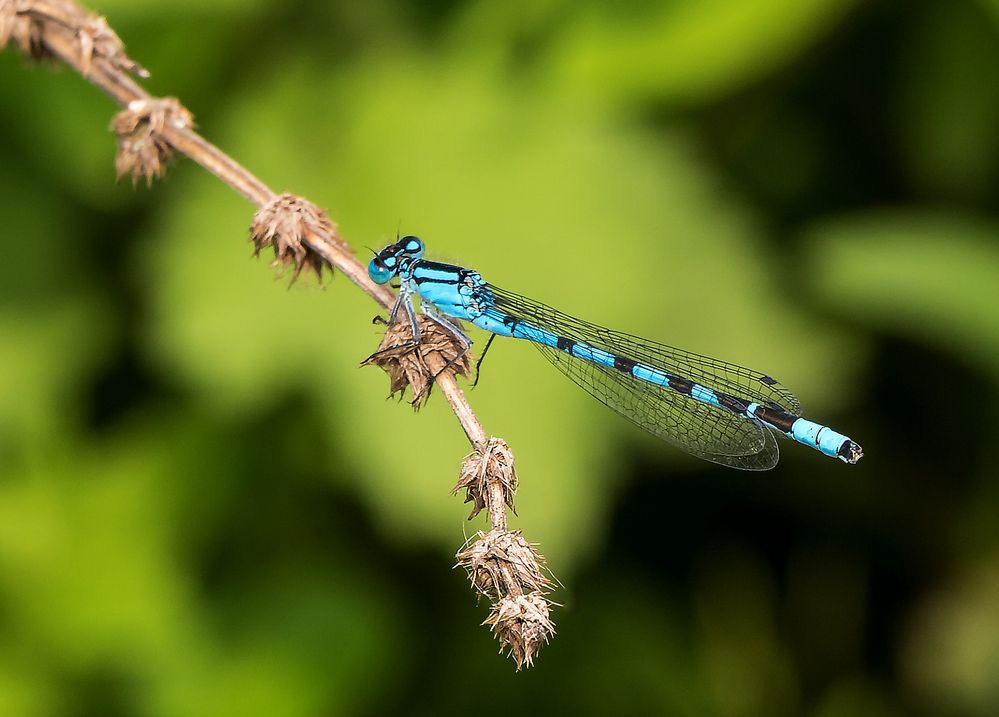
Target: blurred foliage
x,y
206,508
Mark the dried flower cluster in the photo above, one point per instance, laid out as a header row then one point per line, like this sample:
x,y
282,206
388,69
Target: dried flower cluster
x,y
284,223
98,40
496,558
26,22
417,366
19,26
482,469
507,569
502,564
142,150
522,623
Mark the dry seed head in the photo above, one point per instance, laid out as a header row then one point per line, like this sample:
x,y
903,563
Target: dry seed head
x,y
142,150
284,224
523,625
27,22
417,366
98,40
501,563
24,29
494,465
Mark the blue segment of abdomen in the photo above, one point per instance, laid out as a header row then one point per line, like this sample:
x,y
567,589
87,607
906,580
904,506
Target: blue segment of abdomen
x,y
817,436
704,395
809,433
588,353
505,325
652,375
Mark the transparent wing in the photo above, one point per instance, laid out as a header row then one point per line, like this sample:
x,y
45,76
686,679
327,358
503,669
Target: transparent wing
x,y
708,432
695,427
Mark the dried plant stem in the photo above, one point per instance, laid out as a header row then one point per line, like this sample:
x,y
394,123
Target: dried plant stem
x,y
501,563
495,501
456,399
60,30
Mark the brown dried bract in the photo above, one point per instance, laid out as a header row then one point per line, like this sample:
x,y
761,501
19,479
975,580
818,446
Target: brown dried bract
x,y
481,468
503,562
98,40
28,21
142,150
523,625
418,366
283,224
21,27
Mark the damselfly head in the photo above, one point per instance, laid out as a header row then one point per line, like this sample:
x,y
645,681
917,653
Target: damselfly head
x,y
394,258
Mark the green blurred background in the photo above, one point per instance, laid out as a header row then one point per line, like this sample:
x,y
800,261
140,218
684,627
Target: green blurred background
x,y
207,508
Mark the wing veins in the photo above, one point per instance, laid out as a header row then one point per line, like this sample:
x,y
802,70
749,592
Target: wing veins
x,y
709,372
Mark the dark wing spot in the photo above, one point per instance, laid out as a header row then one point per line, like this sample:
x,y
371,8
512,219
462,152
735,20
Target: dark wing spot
x,y
768,381
565,344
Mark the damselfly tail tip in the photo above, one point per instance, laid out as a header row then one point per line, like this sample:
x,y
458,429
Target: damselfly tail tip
x,y
850,452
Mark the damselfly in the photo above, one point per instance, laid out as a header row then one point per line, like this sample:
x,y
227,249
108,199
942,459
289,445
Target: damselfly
x,y
713,409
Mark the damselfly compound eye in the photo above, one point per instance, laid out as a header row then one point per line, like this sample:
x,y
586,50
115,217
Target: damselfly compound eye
x,y
379,273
